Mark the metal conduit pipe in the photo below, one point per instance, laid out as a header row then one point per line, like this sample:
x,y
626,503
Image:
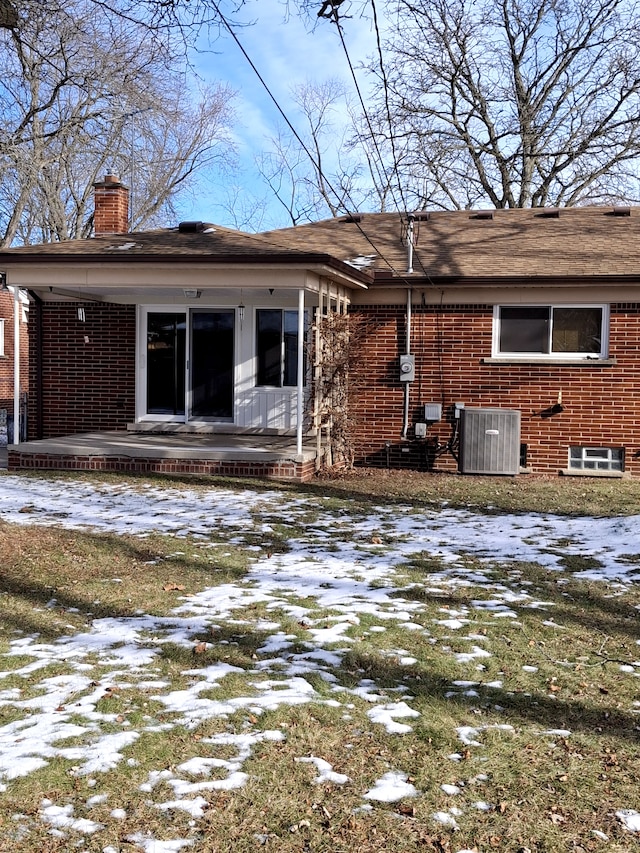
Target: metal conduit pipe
x,y
410,230
405,425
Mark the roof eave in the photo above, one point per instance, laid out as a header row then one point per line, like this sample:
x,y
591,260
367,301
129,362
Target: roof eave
x,y
383,279
322,263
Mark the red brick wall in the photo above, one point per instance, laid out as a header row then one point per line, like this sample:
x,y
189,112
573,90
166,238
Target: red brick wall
x,y
601,404
6,361
88,368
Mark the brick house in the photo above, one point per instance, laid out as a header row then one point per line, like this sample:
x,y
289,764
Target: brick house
x,y
495,341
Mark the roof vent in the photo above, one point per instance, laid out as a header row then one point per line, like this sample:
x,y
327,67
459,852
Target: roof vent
x,y
549,213
355,217
191,227
482,214
621,211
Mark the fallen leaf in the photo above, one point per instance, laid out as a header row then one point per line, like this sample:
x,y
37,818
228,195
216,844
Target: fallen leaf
x,y
556,818
297,826
172,587
200,649
406,810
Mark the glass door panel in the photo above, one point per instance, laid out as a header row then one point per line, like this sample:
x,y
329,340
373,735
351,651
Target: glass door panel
x,y
166,347
212,363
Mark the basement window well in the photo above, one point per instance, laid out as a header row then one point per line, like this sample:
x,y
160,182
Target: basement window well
x,y
596,460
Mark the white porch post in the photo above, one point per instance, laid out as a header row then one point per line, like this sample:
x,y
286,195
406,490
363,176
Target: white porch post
x,y
300,370
16,365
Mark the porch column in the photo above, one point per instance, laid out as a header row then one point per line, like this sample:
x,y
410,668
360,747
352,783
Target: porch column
x,y
300,371
16,365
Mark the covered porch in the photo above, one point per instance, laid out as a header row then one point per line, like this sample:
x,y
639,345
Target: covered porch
x,y
275,457
193,349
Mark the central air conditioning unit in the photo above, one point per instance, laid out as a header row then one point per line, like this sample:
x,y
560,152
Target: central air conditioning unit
x,y
489,441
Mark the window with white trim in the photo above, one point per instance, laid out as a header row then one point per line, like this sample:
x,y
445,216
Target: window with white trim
x,y
596,458
551,331
277,347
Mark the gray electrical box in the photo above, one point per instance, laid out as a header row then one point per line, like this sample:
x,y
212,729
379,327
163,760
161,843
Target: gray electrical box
x,y
407,368
433,411
489,441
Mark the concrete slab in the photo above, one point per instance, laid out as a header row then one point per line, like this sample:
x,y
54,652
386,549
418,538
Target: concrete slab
x,y
230,455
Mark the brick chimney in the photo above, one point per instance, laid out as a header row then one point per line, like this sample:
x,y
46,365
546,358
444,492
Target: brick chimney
x,y
111,207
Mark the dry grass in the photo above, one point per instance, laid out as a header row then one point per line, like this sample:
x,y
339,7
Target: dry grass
x,y
526,493
546,792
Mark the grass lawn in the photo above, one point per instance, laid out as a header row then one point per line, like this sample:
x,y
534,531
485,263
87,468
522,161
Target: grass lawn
x,y
382,661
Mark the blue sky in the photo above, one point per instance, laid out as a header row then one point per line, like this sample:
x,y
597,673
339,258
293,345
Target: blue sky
x,y
286,53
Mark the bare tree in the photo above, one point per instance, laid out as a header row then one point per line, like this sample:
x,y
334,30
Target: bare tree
x,y
329,167
514,103
82,94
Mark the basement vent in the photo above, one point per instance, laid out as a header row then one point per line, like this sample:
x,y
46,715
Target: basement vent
x,y
191,227
489,441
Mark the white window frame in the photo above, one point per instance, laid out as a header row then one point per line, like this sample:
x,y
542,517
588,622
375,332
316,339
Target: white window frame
x,y
546,356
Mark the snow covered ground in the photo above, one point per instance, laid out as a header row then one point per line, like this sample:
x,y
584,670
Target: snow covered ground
x,y
345,562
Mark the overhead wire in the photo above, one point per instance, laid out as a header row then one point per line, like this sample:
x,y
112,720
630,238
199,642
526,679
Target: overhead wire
x,y
385,86
372,134
380,162
352,213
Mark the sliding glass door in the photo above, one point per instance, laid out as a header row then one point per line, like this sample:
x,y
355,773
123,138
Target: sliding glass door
x,y
190,364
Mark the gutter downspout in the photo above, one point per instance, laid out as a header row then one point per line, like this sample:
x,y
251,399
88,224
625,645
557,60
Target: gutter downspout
x,y
16,365
300,388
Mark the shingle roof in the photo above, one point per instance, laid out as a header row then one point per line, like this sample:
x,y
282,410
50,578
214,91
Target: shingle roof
x,y
523,243
205,243
528,243
207,240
